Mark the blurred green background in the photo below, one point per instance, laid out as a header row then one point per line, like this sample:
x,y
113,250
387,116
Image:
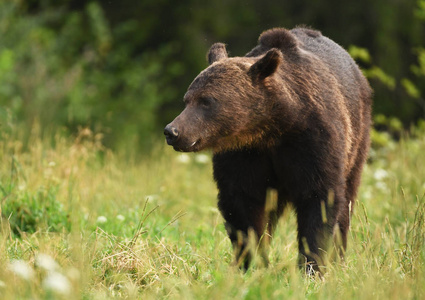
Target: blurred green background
x,y
121,68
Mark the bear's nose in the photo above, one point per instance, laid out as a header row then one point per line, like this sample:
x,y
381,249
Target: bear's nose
x,y
171,134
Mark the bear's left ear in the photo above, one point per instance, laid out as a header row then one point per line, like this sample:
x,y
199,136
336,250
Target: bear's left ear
x,y
217,52
267,65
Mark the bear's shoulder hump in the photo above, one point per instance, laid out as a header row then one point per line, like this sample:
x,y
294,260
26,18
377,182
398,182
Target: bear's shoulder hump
x,y
280,38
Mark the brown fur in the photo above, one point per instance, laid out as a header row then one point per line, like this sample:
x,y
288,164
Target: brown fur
x,y
293,115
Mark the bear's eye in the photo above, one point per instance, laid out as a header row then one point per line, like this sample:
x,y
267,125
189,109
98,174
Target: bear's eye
x,y
205,101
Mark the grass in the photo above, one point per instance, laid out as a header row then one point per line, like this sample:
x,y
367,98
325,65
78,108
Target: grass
x,y
81,222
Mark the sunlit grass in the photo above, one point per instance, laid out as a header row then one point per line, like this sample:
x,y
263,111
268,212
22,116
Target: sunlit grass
x,y
79,221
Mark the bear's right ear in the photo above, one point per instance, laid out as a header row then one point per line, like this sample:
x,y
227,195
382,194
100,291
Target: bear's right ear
x,y
266,65
217,52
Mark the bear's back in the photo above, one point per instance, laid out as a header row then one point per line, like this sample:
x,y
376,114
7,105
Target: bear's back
x,y
333,56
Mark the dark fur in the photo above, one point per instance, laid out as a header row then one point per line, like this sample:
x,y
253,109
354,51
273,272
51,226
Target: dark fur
x,y
293,115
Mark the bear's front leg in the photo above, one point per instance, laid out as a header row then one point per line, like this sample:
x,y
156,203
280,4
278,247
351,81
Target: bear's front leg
x,y
245,225
243,178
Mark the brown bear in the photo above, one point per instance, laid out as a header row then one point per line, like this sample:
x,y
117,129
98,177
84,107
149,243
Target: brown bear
x,y
293,117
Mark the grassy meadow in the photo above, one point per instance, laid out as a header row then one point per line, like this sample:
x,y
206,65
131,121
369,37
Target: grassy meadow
x,y
81,222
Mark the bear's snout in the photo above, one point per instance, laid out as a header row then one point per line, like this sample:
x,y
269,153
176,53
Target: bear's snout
x,y
171,134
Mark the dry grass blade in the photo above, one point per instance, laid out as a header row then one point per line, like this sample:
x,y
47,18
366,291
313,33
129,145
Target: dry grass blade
x,y
174,219
142,221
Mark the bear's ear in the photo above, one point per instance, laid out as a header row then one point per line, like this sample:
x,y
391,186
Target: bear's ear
x,y
217,52
267,65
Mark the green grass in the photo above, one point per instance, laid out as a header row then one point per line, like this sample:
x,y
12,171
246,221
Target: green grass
x,y
79,221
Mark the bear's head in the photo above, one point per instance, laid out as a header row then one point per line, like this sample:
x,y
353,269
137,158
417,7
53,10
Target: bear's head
x,y
226,104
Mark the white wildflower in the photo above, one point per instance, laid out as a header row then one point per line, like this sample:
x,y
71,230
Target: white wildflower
x,y
57,282
381,186
152,197
101,220
2,284
120,218
213,209
367,194
21,269
46,262
380,174
183,158
202,158
52,164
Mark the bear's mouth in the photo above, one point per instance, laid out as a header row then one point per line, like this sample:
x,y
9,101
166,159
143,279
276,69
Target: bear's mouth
x,y
196,145
191,148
